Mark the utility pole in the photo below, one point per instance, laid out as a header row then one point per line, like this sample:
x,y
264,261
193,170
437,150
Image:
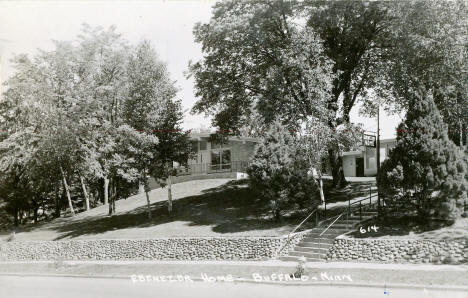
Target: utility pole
x,y
378,139
379,209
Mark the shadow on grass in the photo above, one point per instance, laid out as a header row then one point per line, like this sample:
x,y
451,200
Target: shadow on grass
x,y
232,207
403,225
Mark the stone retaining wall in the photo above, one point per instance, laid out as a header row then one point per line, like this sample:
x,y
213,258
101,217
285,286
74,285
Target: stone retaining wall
x,y
200,248
399,251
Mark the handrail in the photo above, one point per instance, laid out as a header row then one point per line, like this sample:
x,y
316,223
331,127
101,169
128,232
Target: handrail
x,y
295,229
336,219
365,199
319,239
303,221
331,224
358,204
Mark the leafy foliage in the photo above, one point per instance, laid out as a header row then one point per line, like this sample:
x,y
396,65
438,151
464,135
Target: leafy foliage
x,y
427,44
266,59
258,61
86,116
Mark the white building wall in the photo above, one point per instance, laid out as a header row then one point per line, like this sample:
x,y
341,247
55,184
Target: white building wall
x,y
349,166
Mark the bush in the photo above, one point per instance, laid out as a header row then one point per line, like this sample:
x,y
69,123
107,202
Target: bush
x,y
425,170
279,173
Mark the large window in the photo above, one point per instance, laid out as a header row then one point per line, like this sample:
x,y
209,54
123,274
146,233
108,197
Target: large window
x,y
215,159
220,159
226,159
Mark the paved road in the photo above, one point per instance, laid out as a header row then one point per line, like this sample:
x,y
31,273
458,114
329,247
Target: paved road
x,y
69,287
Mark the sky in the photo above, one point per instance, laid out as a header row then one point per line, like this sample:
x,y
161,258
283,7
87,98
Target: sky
x,y
26,26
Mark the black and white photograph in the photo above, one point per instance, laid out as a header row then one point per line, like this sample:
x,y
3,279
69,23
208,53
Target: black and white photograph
x,y
233,148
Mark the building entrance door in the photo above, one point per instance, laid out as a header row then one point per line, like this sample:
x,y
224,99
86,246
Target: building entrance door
x,y
359,167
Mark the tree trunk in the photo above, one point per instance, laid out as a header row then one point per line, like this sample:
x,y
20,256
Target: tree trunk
x,y
115,194
278,217
23,217
57,201
111,205
169,194
36,210
148,202
322,196
141,187
112,197
85,193
336,163
461,134
16,217
106,190
65,184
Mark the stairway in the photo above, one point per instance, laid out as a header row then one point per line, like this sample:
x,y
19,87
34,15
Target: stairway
x,y
315,247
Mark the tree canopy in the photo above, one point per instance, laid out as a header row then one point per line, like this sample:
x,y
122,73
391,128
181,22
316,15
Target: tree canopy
x,y
83,121
289,60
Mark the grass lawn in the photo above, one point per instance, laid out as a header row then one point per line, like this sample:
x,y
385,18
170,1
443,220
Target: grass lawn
x,y
212,207
200,208
357,187
407,227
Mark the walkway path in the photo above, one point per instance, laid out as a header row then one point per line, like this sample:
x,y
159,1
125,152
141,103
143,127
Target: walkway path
x,y
345,203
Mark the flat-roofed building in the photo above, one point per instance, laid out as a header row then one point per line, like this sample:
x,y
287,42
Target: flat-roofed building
x,y
363,162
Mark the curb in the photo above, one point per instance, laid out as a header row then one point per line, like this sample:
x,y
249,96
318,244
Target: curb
x,y
251,281
270,263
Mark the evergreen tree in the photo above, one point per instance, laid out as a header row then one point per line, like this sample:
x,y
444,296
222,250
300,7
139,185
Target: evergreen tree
x,y
426,169
279,172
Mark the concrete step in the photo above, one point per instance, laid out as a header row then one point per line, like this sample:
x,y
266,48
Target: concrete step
x,y
327,234
331,230
321,250
312,244
315,239
307,254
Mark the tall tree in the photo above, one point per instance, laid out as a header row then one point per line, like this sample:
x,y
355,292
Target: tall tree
x,y
84,119
430,47
354,35
278,171
152,108
173,147
103,60
314,140
252,50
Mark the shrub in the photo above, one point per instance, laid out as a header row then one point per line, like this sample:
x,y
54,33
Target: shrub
x,y
278,172
426,169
